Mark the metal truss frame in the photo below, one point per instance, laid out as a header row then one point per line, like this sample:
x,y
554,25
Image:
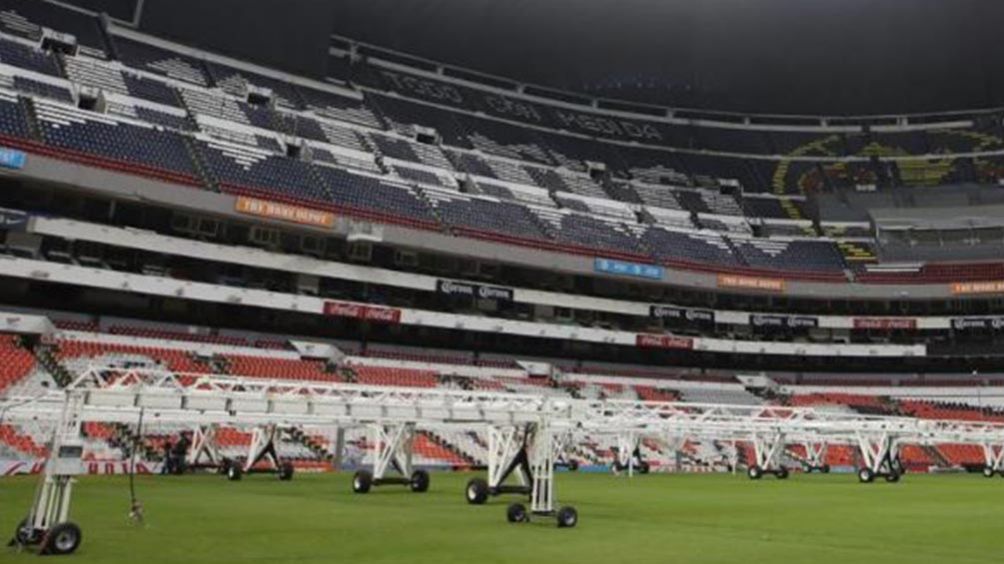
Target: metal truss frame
x,y
526,432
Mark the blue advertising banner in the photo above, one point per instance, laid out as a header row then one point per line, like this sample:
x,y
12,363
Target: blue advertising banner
x,y
11,158
621,268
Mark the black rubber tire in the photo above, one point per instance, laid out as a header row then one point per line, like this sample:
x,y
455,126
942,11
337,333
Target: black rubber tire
x,y
476,491
754,472
224,466
568,517
825,469
644,468
988,472
22,536
64,538
419,481
234,473
573,465
286,471
362,481
516,513
618,466
865,475
892,478
782,473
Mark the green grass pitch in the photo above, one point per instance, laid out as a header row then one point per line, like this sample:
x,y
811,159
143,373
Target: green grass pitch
x,y
658,518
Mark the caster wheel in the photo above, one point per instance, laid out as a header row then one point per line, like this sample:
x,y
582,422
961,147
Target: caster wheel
x,y
865,475
568,517
24,534
516,513
234,473
420,481
825,469
644,468
618,467
477,491
573,465
286,471
754,472
988,472
362,481
892,478
782,473
64,538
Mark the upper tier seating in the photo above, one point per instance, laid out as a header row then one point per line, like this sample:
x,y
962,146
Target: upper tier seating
x,y
371,197
403,116
327,156
235,82
125,146
240,168
341,108
12,117
102,75
26,57
505,140
412,152
694,247
540,168
36,88
151,58
25,18
772,254
590,232
481,215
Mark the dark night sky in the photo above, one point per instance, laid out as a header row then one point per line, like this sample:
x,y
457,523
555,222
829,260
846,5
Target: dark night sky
x,y
826,56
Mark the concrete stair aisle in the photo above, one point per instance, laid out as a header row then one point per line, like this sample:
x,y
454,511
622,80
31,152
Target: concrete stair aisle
x,y
313,443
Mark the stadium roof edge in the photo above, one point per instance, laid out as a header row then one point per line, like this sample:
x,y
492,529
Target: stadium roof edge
x,y
781,119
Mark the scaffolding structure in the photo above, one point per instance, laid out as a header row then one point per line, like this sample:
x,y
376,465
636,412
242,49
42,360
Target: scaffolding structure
x,y
528,434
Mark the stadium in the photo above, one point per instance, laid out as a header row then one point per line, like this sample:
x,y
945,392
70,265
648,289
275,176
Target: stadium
x,y
447,282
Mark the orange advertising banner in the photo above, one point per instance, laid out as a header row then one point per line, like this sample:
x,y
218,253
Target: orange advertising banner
x,y
962,288
750,282
284,212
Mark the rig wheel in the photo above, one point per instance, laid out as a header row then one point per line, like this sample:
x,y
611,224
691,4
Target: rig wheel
x,y
644,468
568,517
866,476
286,471
754,472
476,491
64,538
573,465
782,473
234,472
362,481
892,477
988,472
24,534
825,469
516,513
419,481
